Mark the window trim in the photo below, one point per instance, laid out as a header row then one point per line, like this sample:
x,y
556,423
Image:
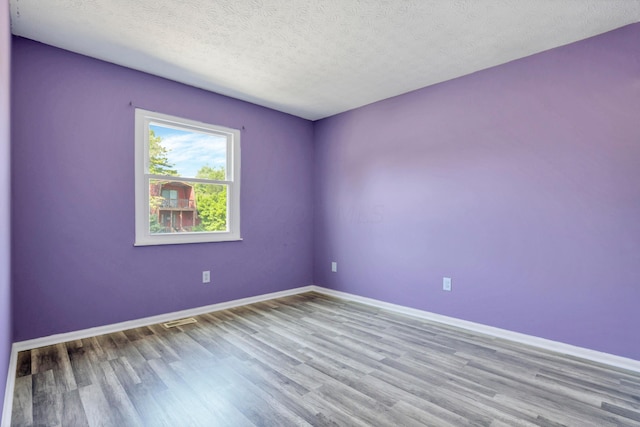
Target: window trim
x,y
143,237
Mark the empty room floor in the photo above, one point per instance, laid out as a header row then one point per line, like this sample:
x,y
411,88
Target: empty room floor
x,y
315,360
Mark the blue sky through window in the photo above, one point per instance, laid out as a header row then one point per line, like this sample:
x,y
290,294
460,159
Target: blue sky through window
x,y
188,151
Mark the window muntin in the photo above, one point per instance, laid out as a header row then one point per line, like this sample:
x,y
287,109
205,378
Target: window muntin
x,y
187,181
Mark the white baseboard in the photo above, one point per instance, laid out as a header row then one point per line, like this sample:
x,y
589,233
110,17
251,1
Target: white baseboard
x,y
152,320
558,347
8,392
555,346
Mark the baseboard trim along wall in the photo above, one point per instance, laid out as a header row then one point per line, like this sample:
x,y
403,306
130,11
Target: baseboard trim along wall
x,y
152,320
558,347
8,392
542,343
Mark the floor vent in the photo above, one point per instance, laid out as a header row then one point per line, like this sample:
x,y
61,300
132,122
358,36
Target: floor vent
x,y
179,322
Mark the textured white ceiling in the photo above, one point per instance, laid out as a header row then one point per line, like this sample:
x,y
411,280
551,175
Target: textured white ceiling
x,y
314,58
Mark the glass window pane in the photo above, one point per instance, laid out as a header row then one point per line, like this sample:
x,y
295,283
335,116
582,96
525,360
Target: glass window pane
x,y
212,207
186,153
179,207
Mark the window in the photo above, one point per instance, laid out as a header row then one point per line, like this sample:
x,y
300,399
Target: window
x,y
187,181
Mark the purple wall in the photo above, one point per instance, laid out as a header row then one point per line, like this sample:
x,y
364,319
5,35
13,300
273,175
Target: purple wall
x,y
73,204
521,182
5,258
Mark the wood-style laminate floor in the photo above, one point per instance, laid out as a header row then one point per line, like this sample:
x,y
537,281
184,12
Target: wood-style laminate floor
x,y
314,360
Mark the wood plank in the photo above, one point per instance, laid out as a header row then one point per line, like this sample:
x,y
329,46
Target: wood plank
x,y
72,410
23,364
96,407
47,398
22,411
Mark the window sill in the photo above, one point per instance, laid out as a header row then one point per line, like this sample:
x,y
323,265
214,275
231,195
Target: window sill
x,y
174,239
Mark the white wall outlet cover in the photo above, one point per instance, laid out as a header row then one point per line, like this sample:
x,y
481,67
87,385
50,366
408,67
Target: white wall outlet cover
x,y
206,276
334,267
446,283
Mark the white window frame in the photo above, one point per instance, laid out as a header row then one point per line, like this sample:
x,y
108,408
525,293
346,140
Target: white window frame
x,y
143,236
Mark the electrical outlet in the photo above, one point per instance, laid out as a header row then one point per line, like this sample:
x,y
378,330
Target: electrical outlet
x,y
334,267
206,276
446,283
